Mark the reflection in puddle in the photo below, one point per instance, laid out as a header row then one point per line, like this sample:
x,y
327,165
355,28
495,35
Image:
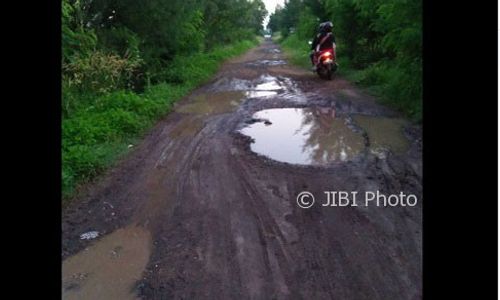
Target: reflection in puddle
x,y
269,83
383,133
108,269
303,136
262,87
268,86
231,84
213,103
260,94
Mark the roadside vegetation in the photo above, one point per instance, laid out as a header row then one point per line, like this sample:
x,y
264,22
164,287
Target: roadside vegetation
x,y
379,44
126,62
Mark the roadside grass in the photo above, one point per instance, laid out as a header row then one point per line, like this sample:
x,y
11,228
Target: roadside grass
x,y
296,51
100,128
276,37
391,84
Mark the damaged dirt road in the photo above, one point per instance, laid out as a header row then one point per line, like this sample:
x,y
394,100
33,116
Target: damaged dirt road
x,y
206,206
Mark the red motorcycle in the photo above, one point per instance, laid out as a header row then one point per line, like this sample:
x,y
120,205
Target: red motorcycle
x,y
325,62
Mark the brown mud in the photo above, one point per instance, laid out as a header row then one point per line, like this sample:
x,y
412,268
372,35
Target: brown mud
x,y
196,214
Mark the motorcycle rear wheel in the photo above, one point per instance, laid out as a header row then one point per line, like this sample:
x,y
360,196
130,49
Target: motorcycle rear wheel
x,y
329,74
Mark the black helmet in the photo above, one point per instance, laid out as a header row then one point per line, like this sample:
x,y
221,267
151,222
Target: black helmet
x,y
327,26
320,27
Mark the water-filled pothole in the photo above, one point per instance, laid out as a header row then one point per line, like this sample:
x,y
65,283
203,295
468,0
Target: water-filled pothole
x,y
307,136
213,103
268,86
260,94
274,50
265,86
268,62
109,268
383,133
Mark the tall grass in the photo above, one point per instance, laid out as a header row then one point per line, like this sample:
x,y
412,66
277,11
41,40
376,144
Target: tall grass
x,y
297,50
99,127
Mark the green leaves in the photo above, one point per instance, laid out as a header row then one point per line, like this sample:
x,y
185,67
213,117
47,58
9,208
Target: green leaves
x,y
380,39
193,33
99,72
109,46
97,128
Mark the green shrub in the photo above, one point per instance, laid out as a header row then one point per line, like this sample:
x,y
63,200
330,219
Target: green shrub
x,y
379,43
81,163
76,40
99,72
297,50
396,83
97,128
120,40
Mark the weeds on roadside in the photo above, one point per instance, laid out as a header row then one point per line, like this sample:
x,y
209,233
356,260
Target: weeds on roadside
x,y
99,124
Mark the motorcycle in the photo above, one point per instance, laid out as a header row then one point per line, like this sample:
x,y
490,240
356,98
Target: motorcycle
x,y
325,62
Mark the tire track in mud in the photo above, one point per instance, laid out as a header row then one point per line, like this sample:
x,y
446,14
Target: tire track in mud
x,y
223,220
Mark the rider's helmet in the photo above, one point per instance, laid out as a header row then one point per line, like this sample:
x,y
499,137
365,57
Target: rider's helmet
x,y
327,26
321,27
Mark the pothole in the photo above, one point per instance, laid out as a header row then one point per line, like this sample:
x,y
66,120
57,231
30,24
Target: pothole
x,y
268,86
265,86
260,94
269,83
213,103
189,126
268,62
383,133
273,50
231,84
108,269
306,136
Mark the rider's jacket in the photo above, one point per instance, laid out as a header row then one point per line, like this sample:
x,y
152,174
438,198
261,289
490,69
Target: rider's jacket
x,y
327,43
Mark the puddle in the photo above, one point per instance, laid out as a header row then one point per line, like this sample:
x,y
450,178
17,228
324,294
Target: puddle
x,y
303,136
273,50
270,83
260,94
213,103
189,126
268,86
262,87
108,269
267,62
384,133
231,84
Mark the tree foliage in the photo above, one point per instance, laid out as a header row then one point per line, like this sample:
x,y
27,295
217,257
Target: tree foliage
x,y
155,31
125,62
383,38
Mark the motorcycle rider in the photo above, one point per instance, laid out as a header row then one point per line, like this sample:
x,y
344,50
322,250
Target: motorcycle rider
x,y
323,40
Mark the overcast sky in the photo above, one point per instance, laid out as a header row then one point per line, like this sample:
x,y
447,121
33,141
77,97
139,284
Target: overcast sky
x,y
270,6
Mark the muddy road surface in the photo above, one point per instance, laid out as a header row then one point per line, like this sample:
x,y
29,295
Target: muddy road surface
x,y
207,207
